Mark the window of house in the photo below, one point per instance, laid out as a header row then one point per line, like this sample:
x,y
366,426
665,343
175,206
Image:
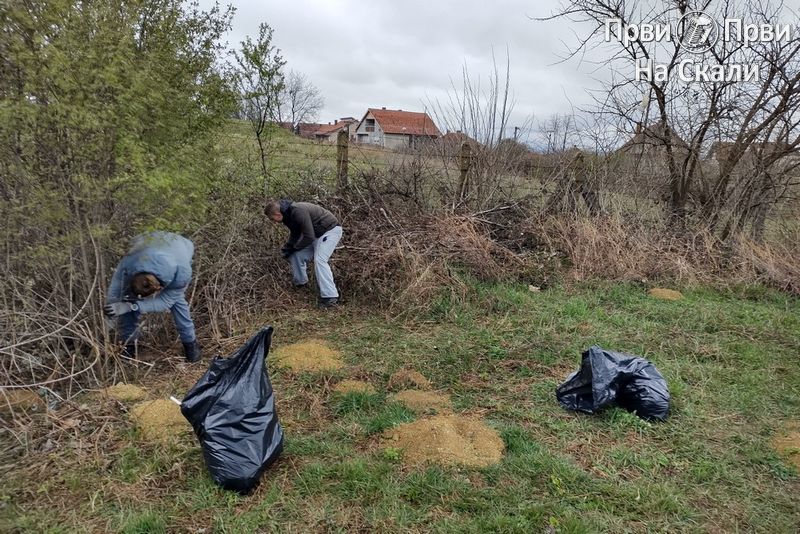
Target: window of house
x,y
370,126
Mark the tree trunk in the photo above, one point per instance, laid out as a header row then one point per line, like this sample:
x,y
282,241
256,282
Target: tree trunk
x,y
264,162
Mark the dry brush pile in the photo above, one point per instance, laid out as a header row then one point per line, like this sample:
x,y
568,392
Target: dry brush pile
x,y
395,256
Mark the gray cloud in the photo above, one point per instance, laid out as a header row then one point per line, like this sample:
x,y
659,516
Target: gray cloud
x,y
364,53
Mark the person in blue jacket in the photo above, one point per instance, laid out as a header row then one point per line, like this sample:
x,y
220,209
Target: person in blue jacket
x,y
153,277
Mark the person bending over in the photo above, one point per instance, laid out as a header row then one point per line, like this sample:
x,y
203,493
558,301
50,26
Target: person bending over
x,y
153,277
313,234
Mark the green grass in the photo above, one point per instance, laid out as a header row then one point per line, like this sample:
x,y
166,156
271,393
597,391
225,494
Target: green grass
x,y
294,161
730,359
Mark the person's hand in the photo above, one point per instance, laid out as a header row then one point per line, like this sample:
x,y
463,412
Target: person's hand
x,y
286,253
115,309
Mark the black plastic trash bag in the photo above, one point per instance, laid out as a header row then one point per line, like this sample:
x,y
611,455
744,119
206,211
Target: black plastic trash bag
x,y
232,411
607,378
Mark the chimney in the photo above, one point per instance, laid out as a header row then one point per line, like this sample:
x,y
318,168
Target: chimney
x,y
384,107
336,121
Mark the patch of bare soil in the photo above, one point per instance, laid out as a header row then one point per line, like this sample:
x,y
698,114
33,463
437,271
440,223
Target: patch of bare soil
x,y
312,356
159,419
354,386
446,440
665,294
424,401
126,392
787,443
408,379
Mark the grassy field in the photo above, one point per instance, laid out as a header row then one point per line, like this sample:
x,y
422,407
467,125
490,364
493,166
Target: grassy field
x,y
292,156
730,360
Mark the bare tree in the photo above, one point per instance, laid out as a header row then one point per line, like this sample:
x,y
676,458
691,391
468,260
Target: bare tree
x,y
480,113
258,72
677,113
558,133
300,100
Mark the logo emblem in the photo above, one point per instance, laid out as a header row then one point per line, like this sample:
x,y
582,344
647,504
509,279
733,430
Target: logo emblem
x,y
698,32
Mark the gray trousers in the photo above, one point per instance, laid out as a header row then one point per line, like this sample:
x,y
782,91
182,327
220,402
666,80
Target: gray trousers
x,y
320,251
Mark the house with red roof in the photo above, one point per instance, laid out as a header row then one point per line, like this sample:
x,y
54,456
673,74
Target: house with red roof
x,y
395,128
306,130
329,132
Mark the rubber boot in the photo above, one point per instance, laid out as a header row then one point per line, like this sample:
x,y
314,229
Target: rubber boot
x,y
192,351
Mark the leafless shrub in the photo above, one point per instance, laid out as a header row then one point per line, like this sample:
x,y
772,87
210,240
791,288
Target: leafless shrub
x,y
479,114
614,248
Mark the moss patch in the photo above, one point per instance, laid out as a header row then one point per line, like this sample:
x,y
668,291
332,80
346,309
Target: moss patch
x,y
665,294
408,378
159,419
125,392
21,400
308,356
446,440
787,443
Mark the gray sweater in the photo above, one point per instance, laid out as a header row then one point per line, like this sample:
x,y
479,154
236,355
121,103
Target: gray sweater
x,y
306,222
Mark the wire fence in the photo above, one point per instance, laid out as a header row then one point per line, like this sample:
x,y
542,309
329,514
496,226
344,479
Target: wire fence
x,y
638,182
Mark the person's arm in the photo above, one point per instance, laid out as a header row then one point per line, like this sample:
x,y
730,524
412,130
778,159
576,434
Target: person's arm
x,y
115,288
303,220
161,302
294,236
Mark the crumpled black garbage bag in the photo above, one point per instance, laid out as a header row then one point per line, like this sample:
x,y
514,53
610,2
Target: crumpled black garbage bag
x,y
232,411
607,378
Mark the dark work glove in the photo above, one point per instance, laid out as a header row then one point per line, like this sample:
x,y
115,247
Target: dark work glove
x,y
286,252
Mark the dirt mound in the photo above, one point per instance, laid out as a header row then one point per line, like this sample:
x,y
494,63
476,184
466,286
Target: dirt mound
x,y
312,355
787,443
447,440
424,401
159,419
665,294
354,386
125,392
25,400
408,378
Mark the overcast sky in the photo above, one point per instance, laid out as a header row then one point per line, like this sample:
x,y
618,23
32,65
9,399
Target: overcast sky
x,y
404,54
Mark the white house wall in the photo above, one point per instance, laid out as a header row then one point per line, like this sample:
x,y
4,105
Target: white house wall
x,y
373,138
396,141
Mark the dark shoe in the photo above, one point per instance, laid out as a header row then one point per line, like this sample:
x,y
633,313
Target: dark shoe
x,y
301,286
328,302
192,351
129,351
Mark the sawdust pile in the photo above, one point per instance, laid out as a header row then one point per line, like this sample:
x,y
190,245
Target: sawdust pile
x,y
354,386
408,379
25,400
665,294
312,355
159,419
125,392
787,443
446,440
423,401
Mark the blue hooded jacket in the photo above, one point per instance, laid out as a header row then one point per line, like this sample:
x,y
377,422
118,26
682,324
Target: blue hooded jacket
x,y
166,256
